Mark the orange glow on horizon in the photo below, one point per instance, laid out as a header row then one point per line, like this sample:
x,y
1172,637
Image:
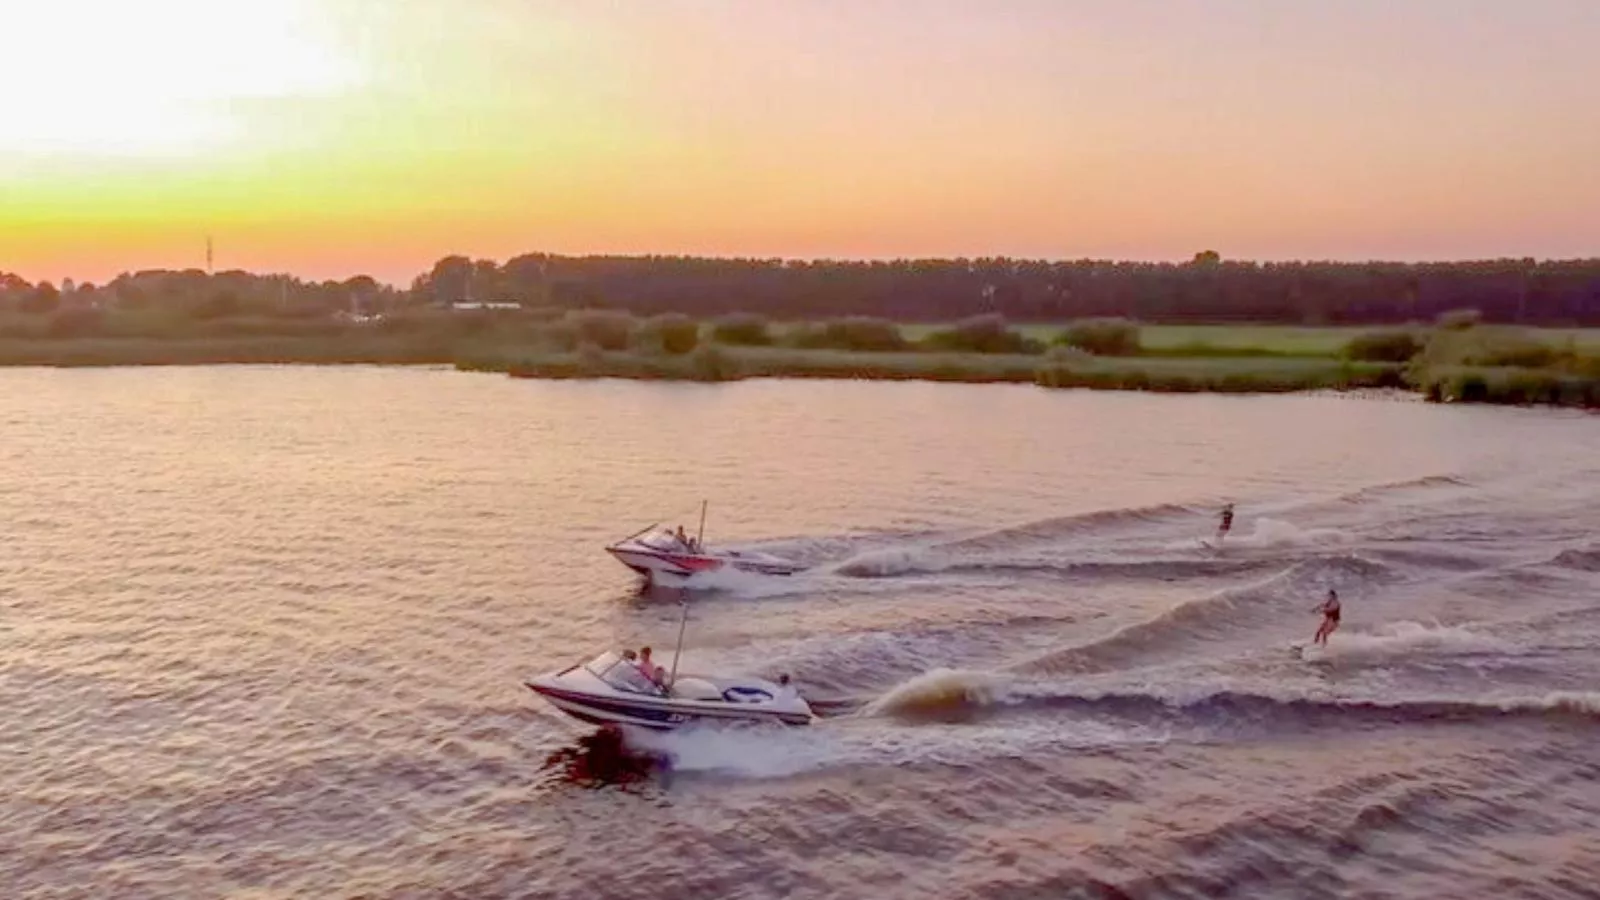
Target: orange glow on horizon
x,y
335,137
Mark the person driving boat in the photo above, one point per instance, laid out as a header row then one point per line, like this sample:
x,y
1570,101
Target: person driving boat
x,y
688,543
655,673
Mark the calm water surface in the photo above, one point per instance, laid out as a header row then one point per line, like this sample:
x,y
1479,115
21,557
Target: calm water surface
x,y
262,635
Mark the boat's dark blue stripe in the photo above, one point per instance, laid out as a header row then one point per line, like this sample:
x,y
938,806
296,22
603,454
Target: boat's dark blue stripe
x,y
614,706
666,716
602,720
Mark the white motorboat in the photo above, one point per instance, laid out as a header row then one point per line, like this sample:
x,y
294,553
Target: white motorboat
x,y
611,689
654,552
615,689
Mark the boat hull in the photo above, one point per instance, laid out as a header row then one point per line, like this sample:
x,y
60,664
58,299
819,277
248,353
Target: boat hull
x,y
613,690
652,563
660,716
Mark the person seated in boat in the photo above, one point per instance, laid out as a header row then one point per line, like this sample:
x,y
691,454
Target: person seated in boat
x,y
683,539
655,673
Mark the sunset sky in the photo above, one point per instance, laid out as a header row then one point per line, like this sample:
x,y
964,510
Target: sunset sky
x,y
335,137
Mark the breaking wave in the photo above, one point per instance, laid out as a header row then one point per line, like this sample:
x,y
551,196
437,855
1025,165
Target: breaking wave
x,y
941,693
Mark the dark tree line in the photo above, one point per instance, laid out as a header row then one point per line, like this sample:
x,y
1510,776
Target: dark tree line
x,y
196,294
1207,289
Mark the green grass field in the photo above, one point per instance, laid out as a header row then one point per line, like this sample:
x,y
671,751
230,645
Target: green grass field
x,y
1287,340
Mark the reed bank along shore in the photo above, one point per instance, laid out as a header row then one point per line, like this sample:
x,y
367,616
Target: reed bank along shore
x,y
1455,359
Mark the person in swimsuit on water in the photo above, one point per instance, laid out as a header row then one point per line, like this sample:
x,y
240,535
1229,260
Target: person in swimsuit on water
x,y
1330,618
1227,522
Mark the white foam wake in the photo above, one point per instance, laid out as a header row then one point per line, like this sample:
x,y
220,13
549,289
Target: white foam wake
x,y
752,585
890,561
1267,532
780,752
1394,639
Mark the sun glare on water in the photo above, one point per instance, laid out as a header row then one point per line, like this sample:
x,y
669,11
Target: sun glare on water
x,y
154,78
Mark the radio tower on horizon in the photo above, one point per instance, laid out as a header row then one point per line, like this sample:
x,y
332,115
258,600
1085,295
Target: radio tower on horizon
x,y
208,254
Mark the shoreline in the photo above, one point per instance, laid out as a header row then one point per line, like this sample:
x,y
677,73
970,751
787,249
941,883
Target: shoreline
x,y
118,352
1249,371
1234,375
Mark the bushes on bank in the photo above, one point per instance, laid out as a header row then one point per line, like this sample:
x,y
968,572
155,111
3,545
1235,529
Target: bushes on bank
x,y
711,363
1383,346
1503,364
75,323
741,329
1102,337
604,328
1218,380
981,334
1489,346
860,333
672,333
1515,387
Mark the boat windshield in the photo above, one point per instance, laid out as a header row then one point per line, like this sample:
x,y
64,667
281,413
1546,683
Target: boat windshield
x,y
621,674
663,540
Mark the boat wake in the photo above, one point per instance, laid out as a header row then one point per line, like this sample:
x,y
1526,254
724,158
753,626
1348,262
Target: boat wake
x,y
954,696
1196,647
900,562
860,741
748,585
942,694
1233,611
1269,534
1402,639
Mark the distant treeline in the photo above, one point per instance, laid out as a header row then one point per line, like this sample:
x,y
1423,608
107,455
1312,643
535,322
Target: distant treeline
x,y
1206,289
194,294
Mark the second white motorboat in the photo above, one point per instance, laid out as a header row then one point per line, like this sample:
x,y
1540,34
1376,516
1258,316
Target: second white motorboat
x,y
655,551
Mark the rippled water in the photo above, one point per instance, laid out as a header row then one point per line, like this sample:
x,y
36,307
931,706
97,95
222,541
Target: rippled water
x,y
265,629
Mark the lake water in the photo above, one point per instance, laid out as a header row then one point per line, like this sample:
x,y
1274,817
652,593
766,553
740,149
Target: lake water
x,y
264,632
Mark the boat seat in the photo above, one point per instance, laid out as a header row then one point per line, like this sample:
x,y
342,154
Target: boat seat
x,y
690,688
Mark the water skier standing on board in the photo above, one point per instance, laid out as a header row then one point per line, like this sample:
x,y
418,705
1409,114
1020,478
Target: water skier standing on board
x,y
1330,618
1227,522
